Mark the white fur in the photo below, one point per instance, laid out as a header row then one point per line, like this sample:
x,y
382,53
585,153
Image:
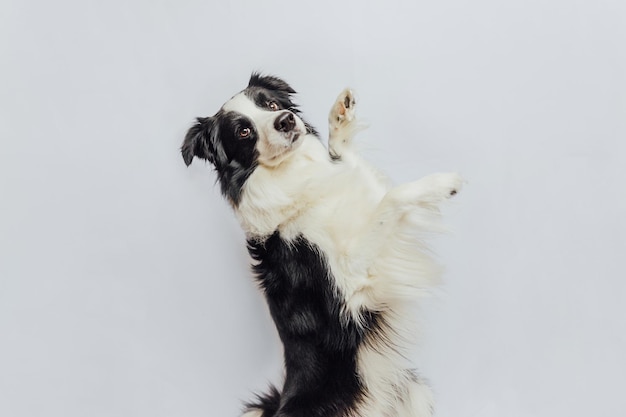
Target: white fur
x,y
370,233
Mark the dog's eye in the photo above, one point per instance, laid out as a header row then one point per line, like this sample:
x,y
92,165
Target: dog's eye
x,y
273,106
244,133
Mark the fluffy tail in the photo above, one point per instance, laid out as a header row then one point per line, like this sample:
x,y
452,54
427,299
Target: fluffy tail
x,y
266,405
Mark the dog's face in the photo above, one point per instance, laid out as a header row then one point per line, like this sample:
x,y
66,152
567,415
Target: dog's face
x,y
259,126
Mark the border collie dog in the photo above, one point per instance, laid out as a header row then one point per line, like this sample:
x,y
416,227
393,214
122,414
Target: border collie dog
x,y
337,251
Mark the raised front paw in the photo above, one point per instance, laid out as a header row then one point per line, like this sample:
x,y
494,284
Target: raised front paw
x,y
438,187
428,191
342,112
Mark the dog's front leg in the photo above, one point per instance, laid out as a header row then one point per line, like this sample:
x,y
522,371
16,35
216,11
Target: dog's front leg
x,y
425,193
385,242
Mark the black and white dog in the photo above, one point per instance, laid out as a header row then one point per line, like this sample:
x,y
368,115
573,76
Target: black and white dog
x,y
337,252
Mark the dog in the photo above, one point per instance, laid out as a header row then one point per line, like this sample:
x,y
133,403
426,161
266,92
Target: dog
x,y
338,253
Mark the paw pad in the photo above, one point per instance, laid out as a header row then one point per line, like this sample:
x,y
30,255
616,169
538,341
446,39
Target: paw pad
x,y
349,100
344,108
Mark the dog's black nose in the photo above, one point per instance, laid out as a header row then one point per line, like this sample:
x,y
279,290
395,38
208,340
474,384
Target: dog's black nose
x,y
286,122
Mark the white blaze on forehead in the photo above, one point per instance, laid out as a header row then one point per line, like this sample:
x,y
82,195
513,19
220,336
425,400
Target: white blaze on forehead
x,y
241,103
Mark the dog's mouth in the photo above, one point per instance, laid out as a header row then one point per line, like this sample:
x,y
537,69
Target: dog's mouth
x,y
293,136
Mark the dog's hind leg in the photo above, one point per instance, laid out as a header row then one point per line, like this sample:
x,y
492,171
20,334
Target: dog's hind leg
x,y
342,124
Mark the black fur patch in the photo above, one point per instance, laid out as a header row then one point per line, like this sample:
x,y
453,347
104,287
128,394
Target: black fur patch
x,y
269,83
217,140
320,341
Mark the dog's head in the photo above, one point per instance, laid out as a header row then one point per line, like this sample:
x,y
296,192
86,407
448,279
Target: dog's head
x,y
259,126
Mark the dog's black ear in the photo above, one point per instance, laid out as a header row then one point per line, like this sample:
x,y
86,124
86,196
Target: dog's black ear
x,y
269,82
196,141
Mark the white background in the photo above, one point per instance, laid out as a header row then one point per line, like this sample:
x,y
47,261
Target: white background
x,y
124,285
